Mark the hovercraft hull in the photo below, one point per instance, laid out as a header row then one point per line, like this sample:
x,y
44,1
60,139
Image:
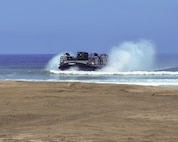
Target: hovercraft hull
x,y
83,61
79,66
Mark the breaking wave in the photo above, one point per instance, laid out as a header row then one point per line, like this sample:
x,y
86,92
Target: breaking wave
x,y
152,73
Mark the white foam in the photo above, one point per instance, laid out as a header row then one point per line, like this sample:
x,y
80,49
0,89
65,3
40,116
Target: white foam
x,y
114,73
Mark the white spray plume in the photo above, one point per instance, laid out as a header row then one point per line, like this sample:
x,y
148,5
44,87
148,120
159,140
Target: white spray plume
x,y
53,64
131,56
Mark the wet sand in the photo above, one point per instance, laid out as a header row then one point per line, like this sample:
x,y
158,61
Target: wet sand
x,y
81,112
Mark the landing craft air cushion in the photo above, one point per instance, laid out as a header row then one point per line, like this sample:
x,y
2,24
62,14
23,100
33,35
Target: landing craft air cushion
x,y
83,61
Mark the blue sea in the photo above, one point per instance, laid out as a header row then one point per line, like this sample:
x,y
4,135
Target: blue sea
x,y
44,67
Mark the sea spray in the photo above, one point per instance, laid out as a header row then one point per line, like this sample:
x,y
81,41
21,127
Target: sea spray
x,y
131,56
53,64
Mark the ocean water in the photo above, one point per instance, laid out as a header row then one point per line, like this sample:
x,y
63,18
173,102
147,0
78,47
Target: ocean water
x,y
163,70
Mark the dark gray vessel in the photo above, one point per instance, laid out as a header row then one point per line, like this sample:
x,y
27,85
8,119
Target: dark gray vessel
x,y
83,61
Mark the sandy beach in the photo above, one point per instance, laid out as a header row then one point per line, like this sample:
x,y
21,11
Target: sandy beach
x,y
81,112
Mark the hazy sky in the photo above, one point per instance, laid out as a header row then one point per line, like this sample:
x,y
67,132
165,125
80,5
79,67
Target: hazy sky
x,y
54,26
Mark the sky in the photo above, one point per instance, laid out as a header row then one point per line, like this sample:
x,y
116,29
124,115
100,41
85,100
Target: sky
x,y
55,26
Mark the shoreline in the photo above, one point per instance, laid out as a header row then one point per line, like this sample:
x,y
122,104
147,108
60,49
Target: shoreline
x,y
73,111
105,83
